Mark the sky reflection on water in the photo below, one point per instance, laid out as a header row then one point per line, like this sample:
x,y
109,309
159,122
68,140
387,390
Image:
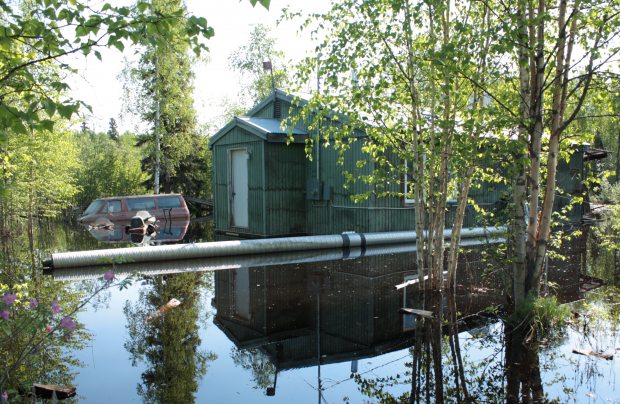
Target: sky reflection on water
x,y
256,322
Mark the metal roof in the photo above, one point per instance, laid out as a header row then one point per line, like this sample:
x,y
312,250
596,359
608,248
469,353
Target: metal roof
x,y
268,129
269,126
595,154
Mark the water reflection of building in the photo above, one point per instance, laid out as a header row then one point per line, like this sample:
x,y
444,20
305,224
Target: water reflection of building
x,y
338,310
348,309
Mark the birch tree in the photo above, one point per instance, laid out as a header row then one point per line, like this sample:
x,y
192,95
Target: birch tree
x,y
560,48
433,81
390,68
248,60
165,79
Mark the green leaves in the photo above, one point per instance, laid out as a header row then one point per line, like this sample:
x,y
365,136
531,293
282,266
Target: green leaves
x,y
67,110
32,43
264,3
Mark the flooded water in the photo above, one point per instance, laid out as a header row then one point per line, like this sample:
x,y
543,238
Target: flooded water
x,y
330,331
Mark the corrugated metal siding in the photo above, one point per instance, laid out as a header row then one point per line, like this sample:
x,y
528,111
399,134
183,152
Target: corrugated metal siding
x,y
235,139
286,172
235,136
266,112
569,180
287,295
353,296
285,177
341,214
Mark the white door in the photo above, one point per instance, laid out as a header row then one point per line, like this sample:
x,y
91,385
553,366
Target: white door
x,y
242,293
239,188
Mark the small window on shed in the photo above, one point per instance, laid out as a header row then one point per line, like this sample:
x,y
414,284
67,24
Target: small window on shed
x,y
140,204
166,202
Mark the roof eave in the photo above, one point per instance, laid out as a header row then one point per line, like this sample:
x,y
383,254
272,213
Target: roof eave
x,y
283,138
236,122
220,133
251,128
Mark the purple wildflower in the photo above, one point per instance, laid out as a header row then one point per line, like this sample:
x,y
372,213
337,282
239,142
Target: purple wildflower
x,y
55,307
34,303
4,396
9,298
68,323
108,276
5,314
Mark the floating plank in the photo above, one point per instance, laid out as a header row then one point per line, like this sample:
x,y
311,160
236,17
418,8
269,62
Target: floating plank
x,y
592,353
416,280
51,390
417,312
164,309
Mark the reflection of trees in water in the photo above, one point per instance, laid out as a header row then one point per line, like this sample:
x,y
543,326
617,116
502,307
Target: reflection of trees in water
x,y
523,381
263,371
500,363
441,370
168,343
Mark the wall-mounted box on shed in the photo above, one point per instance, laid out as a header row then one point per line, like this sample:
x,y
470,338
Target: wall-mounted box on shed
x,y
314,189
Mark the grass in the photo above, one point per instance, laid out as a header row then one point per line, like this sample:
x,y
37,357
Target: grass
x,y
545,315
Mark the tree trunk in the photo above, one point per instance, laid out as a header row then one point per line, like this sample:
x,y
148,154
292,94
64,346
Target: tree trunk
x,y
437,344
520,180
618,160
457,226
418,163
536,129
558,106
460,380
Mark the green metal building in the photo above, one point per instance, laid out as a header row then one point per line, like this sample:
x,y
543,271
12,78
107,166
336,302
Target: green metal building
x,y
265,186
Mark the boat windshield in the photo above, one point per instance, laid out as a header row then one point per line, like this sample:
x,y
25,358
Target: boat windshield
x,y
93,207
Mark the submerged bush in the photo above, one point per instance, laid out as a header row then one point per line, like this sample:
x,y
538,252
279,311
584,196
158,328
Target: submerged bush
x,y
546,316
549,315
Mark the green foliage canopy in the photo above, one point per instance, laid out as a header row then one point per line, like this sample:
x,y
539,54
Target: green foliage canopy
x,y
50,30
165,80
248,60
108,167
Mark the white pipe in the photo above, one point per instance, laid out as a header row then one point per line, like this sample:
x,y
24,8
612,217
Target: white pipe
x,y
242,261
243,247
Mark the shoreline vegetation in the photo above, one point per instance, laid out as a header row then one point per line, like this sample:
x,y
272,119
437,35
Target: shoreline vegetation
x,y
440,88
